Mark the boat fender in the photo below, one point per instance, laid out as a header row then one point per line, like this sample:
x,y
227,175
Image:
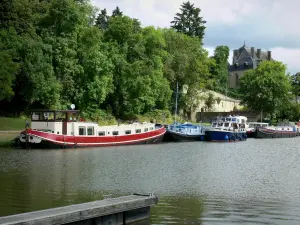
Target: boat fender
x,y
226,138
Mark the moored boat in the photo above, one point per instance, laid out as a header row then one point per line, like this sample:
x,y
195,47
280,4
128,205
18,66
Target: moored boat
x,y
63,128
252,128
276,132
224,129
184,132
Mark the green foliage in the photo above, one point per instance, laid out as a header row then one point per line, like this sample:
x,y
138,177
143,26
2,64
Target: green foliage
x,y
187,63
210,101
9,68
295,79
220,70
266,88
189,22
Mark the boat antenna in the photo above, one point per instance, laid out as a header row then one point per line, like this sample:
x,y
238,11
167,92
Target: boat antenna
x,y
176,102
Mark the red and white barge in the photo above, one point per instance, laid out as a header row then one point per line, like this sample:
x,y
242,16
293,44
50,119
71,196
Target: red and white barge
x,y
62,128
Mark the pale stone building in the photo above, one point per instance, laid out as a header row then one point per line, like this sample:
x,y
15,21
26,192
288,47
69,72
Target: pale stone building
x,y
221,103
225,104
245,58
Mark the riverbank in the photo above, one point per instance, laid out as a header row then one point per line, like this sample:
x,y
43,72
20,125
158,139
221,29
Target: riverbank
x,y
7,138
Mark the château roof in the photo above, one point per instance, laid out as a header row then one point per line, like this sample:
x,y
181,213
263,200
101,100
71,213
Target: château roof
x,y
245,58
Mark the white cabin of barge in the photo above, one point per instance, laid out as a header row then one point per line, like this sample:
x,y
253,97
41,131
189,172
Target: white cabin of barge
x,y
66,122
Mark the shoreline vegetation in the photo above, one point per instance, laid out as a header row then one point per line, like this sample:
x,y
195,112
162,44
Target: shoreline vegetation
x,y
62,52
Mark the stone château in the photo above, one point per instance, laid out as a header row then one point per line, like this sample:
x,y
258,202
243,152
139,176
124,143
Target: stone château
x,y
245,58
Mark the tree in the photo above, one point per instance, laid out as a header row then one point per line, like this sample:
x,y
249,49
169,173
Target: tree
x,y
117,12
189,22
220,69
102,19
188,64
266,88
210,101
296,85
9,68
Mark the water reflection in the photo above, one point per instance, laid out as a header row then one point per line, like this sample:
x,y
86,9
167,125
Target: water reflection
x,y
178,210
253,182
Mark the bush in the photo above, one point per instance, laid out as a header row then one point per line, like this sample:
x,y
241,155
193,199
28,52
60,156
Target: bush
x,y
100,116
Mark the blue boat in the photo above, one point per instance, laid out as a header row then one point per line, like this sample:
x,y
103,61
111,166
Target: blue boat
x,y
227,129
184,132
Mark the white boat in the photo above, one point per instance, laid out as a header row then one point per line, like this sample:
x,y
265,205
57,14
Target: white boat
x,y
231,128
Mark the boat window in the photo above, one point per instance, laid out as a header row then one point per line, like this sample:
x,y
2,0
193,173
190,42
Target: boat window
x,y
151,128
115,133
36,116
138,131
243,121
60,115
214,125
220,124
90,130
101,133
226,124
127,131
146,129
49,115
82,131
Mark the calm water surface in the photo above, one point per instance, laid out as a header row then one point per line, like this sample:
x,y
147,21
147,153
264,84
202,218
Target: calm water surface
x,y
252,182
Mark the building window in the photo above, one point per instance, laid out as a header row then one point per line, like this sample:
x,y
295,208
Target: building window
x,y
82,131
90,131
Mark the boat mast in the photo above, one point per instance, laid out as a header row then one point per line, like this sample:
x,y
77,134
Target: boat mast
x,y
176,102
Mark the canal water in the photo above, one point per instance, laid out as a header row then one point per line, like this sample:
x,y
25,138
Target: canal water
x,y
252,182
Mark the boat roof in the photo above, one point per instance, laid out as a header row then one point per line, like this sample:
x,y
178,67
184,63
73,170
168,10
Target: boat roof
x,y
54,110
257,123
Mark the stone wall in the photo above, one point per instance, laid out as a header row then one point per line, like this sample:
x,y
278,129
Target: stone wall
x,y
207,116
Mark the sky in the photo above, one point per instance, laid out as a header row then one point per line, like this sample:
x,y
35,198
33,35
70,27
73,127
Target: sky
x,y
266,24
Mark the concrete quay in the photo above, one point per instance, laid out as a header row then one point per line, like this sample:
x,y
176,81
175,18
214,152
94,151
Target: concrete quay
x,y
114,211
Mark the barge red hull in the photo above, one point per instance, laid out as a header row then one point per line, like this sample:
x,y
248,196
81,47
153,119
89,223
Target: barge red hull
x,y
66,141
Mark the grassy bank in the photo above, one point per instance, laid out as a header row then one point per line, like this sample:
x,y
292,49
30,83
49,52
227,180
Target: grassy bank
x,y
12,124
7,138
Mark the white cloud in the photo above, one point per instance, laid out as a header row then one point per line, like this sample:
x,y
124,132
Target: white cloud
x,y
269,24
290,57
